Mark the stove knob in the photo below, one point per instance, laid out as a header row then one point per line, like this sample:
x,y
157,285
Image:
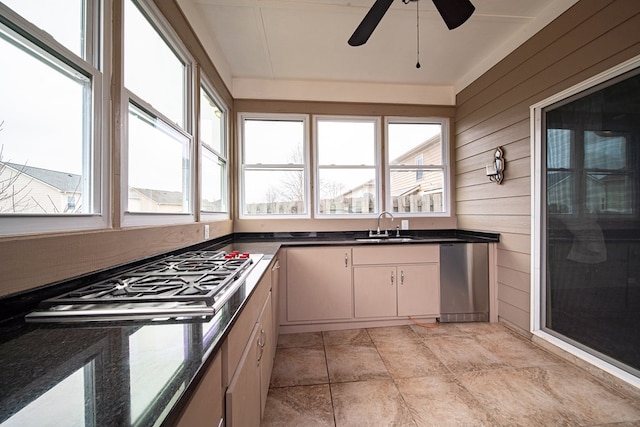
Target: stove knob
x,y
244,255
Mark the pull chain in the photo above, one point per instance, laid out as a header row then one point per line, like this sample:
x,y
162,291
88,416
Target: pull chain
x,y
417,35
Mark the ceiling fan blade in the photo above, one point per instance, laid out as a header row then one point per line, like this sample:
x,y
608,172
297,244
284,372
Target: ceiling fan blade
x,y
370,22
454,12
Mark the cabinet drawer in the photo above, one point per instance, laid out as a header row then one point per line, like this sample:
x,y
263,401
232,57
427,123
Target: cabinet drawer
x,y
396,254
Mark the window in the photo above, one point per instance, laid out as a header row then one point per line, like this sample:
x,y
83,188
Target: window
x,y
157,80
347,174
416,166
587,218
274,172
52,117
214,147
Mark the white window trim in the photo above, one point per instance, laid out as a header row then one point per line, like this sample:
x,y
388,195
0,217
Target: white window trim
x,y
537,226
96,67
135,219
211,92
377,208
306,162
445,167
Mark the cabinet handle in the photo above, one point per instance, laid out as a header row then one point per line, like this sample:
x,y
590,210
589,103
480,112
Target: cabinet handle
x,y
392,277
346,260
401,277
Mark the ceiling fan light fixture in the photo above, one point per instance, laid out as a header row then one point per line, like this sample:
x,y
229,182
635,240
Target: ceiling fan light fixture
x,y
454,12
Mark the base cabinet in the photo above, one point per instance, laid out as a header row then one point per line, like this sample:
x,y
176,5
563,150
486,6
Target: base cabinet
x,y
319,284
247,392
388,291
206,405
396,282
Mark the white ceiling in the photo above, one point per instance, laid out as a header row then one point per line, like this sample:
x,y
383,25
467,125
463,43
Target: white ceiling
x,y
297,49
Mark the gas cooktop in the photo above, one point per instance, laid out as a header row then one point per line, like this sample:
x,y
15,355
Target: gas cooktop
x,y
187,285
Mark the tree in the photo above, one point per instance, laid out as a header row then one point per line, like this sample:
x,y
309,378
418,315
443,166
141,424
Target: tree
x,y
14,197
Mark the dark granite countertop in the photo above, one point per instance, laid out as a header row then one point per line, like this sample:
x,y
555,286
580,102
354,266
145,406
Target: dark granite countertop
x,y
132,373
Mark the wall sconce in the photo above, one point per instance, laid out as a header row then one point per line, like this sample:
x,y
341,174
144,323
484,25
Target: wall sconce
x,y
495,169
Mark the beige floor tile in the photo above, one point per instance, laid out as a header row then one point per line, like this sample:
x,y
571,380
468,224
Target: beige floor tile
x,y
440,329
354,362
392,334
307,339
476,328
463,353
516,351
590,401
549,396
308,406
442,401
348,336
369,403
299,366
410,359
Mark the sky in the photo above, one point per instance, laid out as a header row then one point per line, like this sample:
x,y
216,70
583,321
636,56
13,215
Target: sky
x,y
39,108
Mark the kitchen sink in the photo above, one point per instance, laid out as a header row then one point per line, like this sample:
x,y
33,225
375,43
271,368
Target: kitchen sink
x,y
385,239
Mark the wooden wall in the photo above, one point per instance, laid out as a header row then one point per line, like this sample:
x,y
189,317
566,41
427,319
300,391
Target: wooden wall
x,y
589,38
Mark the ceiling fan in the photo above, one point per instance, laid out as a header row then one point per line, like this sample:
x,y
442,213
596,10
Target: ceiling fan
x,y
453,12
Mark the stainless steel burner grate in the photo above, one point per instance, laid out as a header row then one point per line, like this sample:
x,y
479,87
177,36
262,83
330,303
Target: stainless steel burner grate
x,y
194,281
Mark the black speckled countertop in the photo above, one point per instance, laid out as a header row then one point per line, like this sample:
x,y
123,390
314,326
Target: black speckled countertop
x,y
132,373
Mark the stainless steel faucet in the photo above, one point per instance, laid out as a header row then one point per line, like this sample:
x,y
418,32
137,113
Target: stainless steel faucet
x,y
378,229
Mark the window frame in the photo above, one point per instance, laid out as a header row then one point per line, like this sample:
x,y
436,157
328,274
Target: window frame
x,y
378,204
445,167
95,67
242,166
166,32
210,91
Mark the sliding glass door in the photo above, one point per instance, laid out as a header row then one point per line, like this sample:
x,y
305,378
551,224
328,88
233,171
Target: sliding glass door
x,y
590,229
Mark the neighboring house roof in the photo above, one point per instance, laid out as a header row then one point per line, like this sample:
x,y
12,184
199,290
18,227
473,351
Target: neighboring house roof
x,y
63,181
405,191
160,196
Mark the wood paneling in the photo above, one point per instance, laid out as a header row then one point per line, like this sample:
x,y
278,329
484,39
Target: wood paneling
x,y
589,38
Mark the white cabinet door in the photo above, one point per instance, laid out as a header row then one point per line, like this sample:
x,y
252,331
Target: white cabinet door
x,y
267,343
243,395
374,290
319,283
419,290
205,406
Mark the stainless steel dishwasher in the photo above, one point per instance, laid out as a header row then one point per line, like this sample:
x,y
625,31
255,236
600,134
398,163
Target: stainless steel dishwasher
x,y
464,282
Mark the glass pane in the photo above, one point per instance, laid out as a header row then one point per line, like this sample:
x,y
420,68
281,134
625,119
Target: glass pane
x,y
64,401
278,142
211,124
151,68
409,141
45,134
346,142
419,190
148,372
604,152
159,168
347,191
559,148
214,179
62,19
560,192
274,192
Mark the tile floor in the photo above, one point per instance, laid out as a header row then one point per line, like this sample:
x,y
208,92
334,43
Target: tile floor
x,y
463,374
